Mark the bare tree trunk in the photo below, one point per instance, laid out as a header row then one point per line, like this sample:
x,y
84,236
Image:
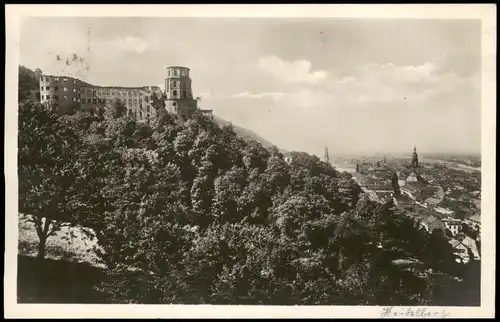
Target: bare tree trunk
x,y
42,229
41,247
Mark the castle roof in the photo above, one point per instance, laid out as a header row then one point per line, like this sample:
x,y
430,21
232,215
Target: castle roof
x,y
177,67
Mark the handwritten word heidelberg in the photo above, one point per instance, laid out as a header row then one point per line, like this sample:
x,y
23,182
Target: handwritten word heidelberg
x,y
391,312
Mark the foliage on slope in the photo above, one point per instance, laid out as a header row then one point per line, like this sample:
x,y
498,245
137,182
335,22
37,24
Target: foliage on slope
x,y
192,213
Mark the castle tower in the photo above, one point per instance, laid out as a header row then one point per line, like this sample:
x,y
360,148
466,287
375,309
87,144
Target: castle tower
x,y
178,92
414,159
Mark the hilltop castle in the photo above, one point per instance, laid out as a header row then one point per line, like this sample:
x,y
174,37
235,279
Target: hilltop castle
x,y
67,94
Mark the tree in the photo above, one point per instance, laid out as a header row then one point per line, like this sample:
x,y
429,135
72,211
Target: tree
x,y
227,189
56,172
115,109
203,216
29,84
349,190
395,184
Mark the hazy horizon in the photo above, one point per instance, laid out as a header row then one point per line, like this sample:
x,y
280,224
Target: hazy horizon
x,y
357,86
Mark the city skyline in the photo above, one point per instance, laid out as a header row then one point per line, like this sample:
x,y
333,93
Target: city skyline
x,y
355,86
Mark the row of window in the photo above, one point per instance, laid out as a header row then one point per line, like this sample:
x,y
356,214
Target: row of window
x,y
65,89
56,98
46,79
174,85
109,92
184,93
175,72
91,92
89,100
131,112
96,100
177,85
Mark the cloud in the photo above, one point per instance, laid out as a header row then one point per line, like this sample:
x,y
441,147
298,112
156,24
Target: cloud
x,y
375,107
390,73
246,94
374,84
298,71
130,44
205,95
366,84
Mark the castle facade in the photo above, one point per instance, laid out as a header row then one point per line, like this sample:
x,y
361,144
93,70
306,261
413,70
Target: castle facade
x,y
67,94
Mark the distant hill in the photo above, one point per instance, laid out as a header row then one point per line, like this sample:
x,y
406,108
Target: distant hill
x,y
246,134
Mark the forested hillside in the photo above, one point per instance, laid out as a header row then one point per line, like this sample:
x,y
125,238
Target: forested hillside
x,y
192,213
244,133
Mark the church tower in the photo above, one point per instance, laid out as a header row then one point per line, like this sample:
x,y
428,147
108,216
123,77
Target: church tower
x,y
327,156
178,92
414,160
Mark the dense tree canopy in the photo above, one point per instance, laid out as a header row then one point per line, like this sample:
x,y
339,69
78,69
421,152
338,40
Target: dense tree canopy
x,y
29,83
188,212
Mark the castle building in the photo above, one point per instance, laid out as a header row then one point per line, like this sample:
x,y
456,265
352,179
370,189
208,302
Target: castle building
x,y
63,91
138,100
66,94
178,92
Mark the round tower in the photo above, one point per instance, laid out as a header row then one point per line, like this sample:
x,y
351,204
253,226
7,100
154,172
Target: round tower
x,y
178,92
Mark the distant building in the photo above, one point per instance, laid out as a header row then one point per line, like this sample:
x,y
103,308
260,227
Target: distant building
x,y
460,250
432,195
476,194
416,217
477,204
432,201
403,200
444,211
474,221
413,177
414,161
453,225
431,223
472,245
412,191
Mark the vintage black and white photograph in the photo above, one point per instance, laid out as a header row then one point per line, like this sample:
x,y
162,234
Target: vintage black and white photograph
x,y
250,161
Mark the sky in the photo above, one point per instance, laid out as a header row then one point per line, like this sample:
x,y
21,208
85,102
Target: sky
x,y
357,86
